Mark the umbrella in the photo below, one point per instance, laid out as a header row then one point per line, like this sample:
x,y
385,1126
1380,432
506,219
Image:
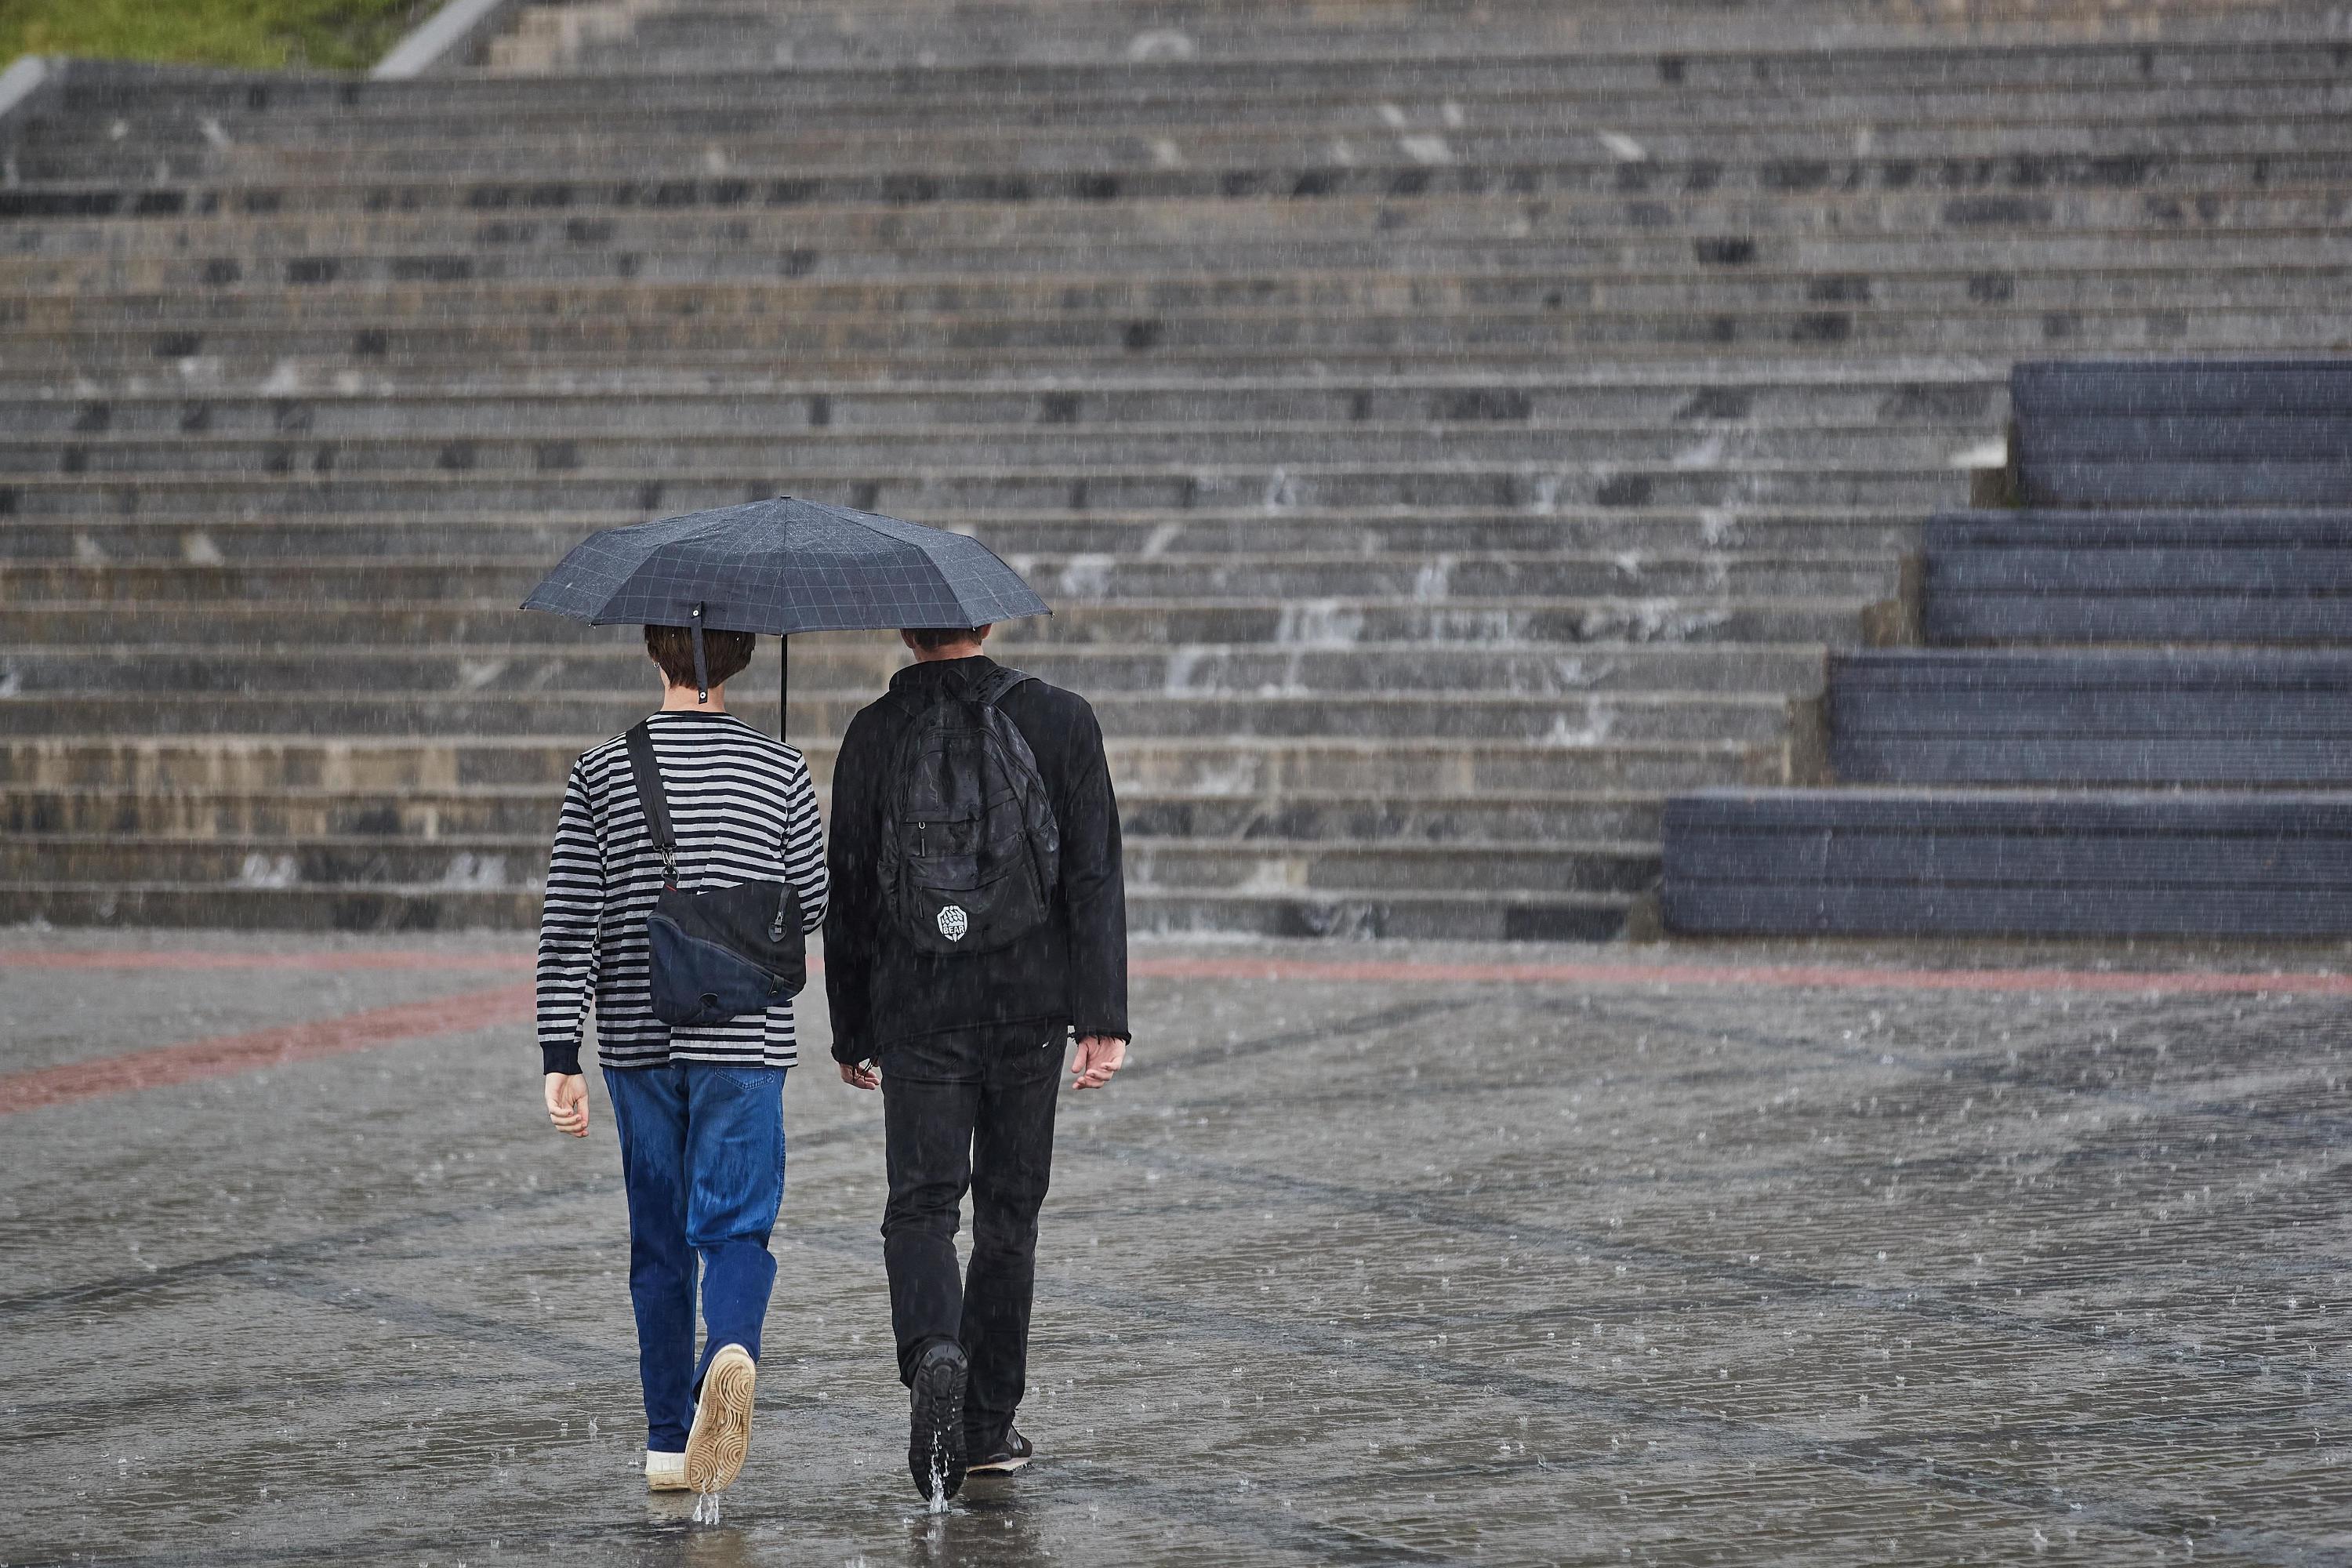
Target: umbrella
x,y
781,566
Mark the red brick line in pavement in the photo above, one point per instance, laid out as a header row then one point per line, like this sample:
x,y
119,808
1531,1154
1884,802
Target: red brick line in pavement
x,y
1793,977
395,958
223,1054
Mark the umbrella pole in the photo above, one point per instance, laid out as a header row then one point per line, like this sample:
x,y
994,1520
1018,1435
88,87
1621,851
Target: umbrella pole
x,y
783,682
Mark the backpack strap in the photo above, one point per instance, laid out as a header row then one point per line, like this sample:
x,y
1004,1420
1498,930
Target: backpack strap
x,y
1001,679
986,691
647,774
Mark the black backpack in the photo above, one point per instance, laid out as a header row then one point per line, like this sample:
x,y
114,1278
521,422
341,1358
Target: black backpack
x,y
969,852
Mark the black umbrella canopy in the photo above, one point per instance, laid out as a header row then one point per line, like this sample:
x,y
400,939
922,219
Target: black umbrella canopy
x,y
783,566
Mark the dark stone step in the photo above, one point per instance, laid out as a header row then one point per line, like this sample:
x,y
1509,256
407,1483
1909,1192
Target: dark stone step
x,y
2316,435
2210,576
1868,862
2168,576
2141,482
2109,717
2060,390
2246,432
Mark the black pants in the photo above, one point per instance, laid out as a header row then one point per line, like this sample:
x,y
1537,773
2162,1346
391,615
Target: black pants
x,y
970,1113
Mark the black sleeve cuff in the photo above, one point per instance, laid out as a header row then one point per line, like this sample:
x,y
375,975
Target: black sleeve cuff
x,y
564,1059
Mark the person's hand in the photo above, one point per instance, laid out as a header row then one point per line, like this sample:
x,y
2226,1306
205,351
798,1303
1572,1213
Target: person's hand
x,y
861,1075
1099,1056
567,1102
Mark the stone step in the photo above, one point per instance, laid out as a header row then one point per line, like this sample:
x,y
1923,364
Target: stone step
x,y
2244,433
688,44
1086,404
353,457
1823,196
2214,137
1018,308
313,621
2316,435
1288,576
525,810
1961,388
2052,393
1231,766
2004,862
1582,720
519,862
841,664
2091,718
231,232
2193,482
1495,915
759,120
972,495
255,541
2135,578
1351,342
1779,67
1121,239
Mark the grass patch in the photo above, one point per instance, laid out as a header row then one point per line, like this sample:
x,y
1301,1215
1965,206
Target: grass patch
x,y
322,35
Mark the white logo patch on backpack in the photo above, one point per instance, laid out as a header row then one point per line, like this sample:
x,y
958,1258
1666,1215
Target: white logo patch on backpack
x,y
952,924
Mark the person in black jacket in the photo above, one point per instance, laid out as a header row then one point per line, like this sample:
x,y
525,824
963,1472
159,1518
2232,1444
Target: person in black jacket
x,y
966,1049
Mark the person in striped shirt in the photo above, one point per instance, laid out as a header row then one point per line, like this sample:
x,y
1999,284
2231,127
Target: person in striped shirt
x,y
699,1110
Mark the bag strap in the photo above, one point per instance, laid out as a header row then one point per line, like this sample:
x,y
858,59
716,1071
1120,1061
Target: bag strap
x,y
1001,679
647,774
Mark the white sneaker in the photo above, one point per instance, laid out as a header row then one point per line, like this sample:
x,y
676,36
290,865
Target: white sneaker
x,y
722,1434
664,1472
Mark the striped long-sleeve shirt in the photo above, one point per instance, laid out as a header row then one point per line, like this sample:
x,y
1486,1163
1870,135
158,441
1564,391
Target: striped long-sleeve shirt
x,y
744,809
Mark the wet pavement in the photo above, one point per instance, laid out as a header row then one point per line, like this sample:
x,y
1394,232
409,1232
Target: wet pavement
x,y
1417,1259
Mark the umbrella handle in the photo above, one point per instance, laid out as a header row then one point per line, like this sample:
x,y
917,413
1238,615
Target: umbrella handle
x,y
701,669
783,681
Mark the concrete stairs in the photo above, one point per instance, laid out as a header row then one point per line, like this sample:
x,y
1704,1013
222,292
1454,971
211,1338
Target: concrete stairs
x,y
1444,431
2062,775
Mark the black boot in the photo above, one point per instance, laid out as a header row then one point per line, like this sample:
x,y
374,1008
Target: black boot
x,y
935,1449
1004,1456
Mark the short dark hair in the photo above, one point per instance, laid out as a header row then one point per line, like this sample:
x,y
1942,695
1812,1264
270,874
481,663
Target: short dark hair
x,y
930,639
725,655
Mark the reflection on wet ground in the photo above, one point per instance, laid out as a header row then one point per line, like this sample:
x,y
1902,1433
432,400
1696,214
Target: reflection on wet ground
x,y
1344,1269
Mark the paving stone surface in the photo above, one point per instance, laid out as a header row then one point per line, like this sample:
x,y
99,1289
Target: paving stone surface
x,y
1801,1254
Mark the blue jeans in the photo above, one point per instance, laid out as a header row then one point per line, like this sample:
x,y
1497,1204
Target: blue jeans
x,y
702,1156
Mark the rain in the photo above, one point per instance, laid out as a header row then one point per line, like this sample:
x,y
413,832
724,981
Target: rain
x,y
1720,633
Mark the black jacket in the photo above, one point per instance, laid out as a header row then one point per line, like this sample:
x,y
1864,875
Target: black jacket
x,y
1070,972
